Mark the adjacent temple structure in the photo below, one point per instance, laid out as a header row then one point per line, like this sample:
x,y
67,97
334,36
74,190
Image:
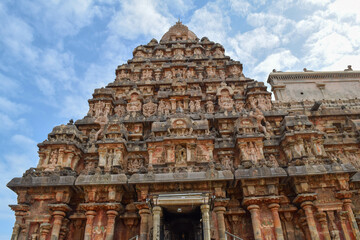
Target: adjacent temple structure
x,y
183,146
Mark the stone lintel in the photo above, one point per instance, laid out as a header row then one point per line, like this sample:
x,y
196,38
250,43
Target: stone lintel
x,y
343,194
105,179
320,169
260,172
98,206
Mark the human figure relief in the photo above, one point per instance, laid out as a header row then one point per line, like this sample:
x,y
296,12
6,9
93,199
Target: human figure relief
x,y
198,105
190,73
209,107
180,154
134,105
218,52
235,70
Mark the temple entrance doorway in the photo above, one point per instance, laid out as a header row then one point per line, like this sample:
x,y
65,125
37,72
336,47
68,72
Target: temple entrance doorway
x,y
182,223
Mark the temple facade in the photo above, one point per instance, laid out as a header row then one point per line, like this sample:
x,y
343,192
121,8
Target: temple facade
x,y
183,146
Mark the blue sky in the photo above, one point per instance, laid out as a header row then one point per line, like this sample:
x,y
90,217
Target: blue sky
x,y
54,53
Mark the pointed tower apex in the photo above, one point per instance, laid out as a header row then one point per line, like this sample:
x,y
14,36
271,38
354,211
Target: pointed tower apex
x,y
178,32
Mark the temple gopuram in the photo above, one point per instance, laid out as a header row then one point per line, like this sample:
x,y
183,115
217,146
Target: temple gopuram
x,y
181,145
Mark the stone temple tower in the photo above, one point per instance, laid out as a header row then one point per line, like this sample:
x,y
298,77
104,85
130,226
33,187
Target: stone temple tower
x,y
183,146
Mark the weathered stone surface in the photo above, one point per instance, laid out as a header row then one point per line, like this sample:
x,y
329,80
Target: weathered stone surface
x,y
183,144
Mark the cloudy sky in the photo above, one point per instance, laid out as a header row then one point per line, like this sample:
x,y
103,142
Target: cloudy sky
x,y
54,53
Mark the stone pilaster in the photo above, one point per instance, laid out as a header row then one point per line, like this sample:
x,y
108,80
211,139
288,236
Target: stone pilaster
x,y
156,222
59,212
44,230
21,210
90,215
343,217
144,223
307,206
274,207
112,211
221,221
351,217
110,227
321,216
205,209
255,218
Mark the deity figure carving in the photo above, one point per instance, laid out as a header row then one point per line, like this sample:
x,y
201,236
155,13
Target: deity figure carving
x,y
168,75
149,109
252,102
225,100
119,110
235,70
135,163
211,73
190,73
209,107
159,53
135,104
198,105
197,51
146,74
180,154
222,74
226,162
271,161
99,107
123,74
192,106
218,53
239,105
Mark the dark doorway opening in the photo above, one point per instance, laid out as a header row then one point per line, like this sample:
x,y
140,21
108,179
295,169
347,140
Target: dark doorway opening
x,y
182,223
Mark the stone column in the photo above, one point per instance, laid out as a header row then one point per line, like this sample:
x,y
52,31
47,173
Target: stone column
x,y
343,216
221,221
110,227
58,217
144,222
255,218
307,206
16,231
44,230
156,222
274,207
90,215
205,208
353,224
324,225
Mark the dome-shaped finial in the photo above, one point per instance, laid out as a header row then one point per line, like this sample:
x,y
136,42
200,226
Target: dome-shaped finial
x,y
178,32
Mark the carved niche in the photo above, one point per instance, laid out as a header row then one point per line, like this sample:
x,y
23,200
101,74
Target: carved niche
x,y
225,99
134,105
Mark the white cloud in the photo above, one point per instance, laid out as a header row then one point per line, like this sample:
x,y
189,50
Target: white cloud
x,y
140,18
246,45
346,9
211,21
241,7
282,60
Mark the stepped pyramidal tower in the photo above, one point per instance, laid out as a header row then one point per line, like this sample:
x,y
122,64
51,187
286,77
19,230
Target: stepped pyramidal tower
x,y
183,146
